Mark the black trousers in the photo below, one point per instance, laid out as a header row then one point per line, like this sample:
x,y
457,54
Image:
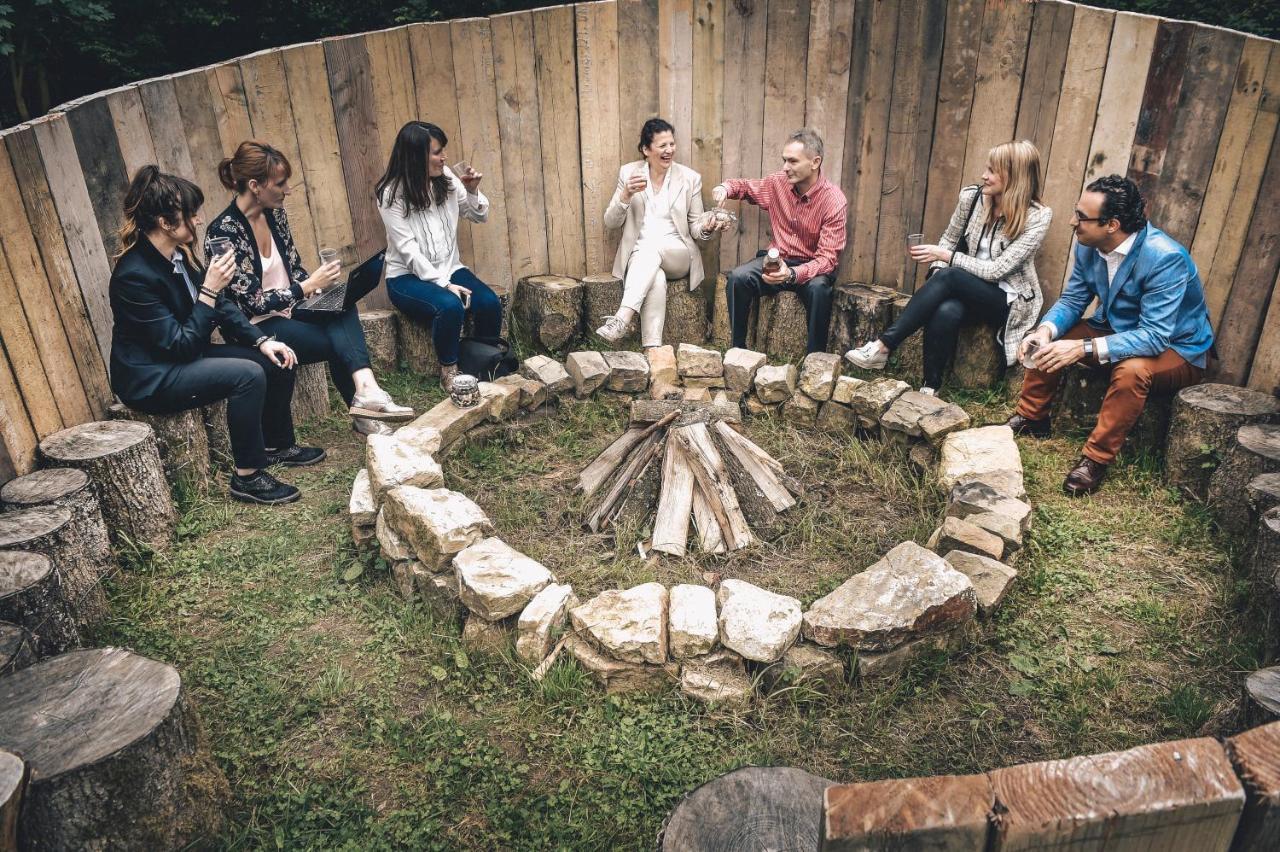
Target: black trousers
x,y
337,339
258,394
746,283
946,300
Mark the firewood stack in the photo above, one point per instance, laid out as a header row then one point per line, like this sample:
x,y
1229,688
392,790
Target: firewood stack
x,y
709,472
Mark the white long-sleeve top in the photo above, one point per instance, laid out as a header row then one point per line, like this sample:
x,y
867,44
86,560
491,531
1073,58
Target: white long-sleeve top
x,y
424,243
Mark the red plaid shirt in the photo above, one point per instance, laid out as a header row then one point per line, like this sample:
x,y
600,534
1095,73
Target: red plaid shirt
x,y
809,227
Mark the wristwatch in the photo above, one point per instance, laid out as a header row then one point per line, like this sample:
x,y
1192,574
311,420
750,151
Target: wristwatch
x,y
263,339
1088,347
791,275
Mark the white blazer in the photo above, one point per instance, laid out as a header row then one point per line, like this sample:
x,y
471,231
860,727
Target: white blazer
x,y
686,209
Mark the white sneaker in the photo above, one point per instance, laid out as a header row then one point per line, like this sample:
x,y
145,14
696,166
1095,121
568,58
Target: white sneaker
x,y
613,329
928,391
868,356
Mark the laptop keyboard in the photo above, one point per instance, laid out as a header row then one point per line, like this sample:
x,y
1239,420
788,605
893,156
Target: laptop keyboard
x,y
330,300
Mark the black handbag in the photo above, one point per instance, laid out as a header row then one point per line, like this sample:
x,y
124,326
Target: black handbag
x,y
962,244
486,358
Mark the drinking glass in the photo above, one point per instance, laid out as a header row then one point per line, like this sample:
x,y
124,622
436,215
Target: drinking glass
x,y
914,240
328,255
218,246
461,168
1029,359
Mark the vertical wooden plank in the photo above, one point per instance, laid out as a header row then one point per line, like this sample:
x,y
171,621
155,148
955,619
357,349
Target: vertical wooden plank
x,y
596,28
1064,170
37,302
1042,82
553,38
675,67
1128,60
827,78
961,45
1264,373
164,117
915,85
75,214
204,145
1174,204
851,165
350,86
231,107
707,151
16,432
478,113
864,206
42,215
130,119
516,80
745,31
785,52
638,87
98,153
394,94
24,357
1006,29
1235,222
1159,103
267,93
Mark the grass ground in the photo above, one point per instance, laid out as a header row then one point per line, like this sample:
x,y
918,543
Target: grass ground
x,y
346,718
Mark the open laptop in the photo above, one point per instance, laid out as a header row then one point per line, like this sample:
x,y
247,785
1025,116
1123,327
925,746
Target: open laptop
x,y
362,280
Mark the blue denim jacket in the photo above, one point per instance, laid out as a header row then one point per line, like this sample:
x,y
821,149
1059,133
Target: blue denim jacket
x,y
1155,303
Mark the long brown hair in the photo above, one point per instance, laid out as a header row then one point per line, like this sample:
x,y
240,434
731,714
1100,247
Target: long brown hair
x,y
1018,163
253,160
407,177
154,195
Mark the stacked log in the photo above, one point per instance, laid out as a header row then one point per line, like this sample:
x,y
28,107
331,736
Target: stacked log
x,y
123,461
69,487
125,765
32,596
1256,451
183,442
1205,420
49,530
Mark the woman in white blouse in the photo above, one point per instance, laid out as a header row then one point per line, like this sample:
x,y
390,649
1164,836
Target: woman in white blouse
x,y
420,199
658,205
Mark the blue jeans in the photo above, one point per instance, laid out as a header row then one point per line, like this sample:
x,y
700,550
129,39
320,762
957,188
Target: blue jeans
x,y
427,301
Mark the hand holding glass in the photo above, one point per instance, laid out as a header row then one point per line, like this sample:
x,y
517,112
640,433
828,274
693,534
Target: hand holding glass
x,y
1029,356
218,246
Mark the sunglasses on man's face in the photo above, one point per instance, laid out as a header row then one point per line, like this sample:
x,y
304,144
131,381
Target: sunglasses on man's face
x,y
1080,217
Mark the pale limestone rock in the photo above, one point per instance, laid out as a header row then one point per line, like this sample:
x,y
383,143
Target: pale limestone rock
x,y
982,454
818,372
391,463
628,372
504,400
727,397
909,593
451,421
922,457
405,574
904,413
364,512
619,677
754,407
662,366
758,624
542,621
1007,483
873,665
696,395
834,417
496,580
805,666
991,579
421,439
394,548
663,390
801,410
533,393
364,536
872,399
740,367
939,424
775,383
549,371
488,637
439,593
957,534
710,382
589,372
719,679
974,498
843,391
697,362
628,624
1001,525
436,523
692,628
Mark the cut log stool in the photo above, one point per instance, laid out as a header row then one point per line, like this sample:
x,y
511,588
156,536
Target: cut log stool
x,y
1255,755
215,426
787,335
1264,554
32,597
17,648
14,776
860,312
1256,450
601,297
311,393
907,361
1262,692
756,807
183,441
978,362
1205,420
548,310
688,312
1263,493
721,324
1079,399
70,487
381,339
116,754
417,349
123,461
50,530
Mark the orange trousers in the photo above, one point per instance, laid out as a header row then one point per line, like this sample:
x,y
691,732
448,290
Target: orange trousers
x,y
1132,380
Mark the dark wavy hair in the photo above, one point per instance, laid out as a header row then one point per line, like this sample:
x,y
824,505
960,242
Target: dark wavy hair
x,y
652,128
154,195
253,160
1122,201
406,176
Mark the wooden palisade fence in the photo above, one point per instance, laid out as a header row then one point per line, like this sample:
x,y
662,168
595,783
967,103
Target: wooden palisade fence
x,y
909,95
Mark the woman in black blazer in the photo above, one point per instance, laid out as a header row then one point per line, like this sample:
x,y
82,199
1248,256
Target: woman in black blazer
x,y
165,308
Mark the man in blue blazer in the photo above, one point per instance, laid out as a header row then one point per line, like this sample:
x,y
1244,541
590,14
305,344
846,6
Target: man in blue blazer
x,y
1151,326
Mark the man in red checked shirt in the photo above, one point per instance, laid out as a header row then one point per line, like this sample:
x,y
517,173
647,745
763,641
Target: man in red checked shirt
x,y
807,216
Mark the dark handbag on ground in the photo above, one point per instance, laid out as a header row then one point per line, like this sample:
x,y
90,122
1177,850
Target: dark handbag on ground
x,y
486,358
962,244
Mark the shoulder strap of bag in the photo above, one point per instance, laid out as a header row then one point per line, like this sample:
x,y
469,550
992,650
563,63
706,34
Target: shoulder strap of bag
x,y
973,205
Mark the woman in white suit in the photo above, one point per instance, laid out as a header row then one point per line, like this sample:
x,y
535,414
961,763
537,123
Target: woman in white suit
x,y
658,205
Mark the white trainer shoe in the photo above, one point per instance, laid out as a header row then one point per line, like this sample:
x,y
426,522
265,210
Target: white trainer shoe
x,y
928,391
613,329
868,356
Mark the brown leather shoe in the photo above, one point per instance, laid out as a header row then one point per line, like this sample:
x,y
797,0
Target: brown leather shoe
x,y
1085,478
1023,426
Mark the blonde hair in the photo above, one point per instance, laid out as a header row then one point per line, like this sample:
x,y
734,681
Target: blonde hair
x,y
1018,164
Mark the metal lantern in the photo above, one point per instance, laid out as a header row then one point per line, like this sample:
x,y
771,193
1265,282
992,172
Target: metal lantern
x,y
465,391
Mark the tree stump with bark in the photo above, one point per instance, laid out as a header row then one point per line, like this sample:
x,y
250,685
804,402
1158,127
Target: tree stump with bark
x,y
70,487
688,313
788,334
1205,420
1079,399
14,776
1264,559
1263,493
601,297
859,312
978,362
17,648
49,530
721,322
117,757
548,311
752,808
381,339
1255,754
1262,689
183,442
123,461
214,416
907,361
310,393
32,596
417,347
1256,450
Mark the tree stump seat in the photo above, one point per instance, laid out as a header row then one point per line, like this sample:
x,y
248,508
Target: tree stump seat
x,y
51,531
69,487
601,297
13,786
417,349
382,339
116,754
32,596
1079,399
1205,420
17,648
310,393
183,441
688,317
548,311
1256,450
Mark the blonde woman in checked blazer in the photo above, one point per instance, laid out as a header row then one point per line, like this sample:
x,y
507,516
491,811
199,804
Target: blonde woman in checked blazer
x,y
993,281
